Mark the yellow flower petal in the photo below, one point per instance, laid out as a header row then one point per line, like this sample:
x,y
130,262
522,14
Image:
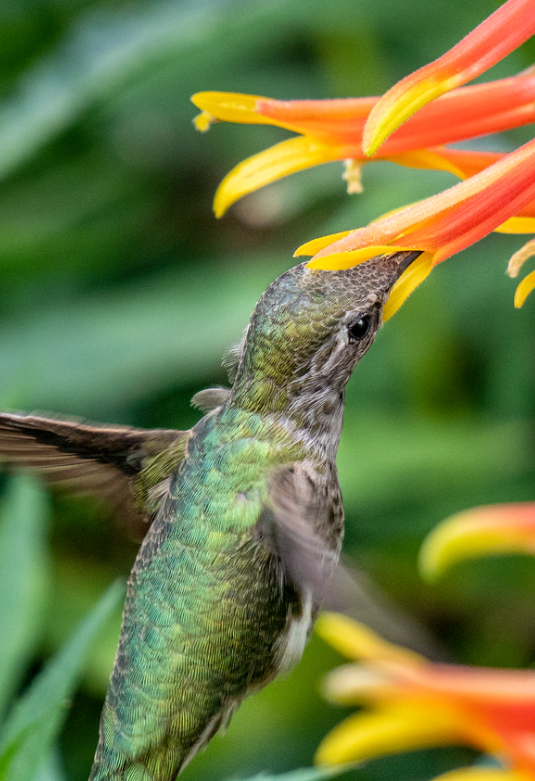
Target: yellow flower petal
x,y
519,258
355,683
427,159
395,109
481,531
389,731
407,284
274,163
524,289
517,225
483,774
230,107
343,260
356,641
314,246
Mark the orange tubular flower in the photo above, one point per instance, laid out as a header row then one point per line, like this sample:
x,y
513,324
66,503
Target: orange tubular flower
x,y
332,130
441,225
482,531
483,774
412,703
508,27
498,191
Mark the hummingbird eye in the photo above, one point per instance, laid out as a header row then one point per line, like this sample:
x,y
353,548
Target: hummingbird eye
x,y
360,327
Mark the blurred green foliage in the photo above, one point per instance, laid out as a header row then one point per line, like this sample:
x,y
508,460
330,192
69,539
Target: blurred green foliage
x,y
119,293
34,721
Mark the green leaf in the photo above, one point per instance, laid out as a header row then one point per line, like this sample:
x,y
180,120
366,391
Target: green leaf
x,y
305,774
24,579
37,718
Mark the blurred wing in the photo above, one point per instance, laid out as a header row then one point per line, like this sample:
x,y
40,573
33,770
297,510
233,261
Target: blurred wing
x,y
91,459
353,593
304,523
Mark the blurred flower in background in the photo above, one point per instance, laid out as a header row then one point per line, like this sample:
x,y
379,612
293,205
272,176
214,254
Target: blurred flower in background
x,y
411,703
481,531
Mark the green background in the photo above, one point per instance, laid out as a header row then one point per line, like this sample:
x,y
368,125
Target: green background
x,y
119,293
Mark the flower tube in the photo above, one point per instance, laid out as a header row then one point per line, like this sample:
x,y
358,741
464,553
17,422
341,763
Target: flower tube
x,y
332,130
498,35
439,226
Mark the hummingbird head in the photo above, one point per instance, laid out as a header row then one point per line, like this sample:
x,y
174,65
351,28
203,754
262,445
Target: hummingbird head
x,y
309,330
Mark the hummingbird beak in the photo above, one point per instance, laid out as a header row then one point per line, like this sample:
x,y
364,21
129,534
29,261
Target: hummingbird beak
x,y
405,259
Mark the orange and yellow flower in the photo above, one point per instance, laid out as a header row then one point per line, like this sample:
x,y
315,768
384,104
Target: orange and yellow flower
x,y
441,225
501,33
482,531
412,703
498,192
447,223
332,130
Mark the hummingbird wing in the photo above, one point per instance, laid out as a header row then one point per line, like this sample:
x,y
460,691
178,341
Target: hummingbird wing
x,y
124,467
304,523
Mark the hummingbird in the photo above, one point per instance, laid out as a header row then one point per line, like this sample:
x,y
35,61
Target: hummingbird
x,y
244,514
